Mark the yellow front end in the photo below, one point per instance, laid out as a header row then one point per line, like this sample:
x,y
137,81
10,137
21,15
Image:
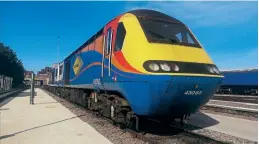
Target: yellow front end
x,y
136,49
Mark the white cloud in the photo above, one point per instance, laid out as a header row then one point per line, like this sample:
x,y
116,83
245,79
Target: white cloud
x,y
204,13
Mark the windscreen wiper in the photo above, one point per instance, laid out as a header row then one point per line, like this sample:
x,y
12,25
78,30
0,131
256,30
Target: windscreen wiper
x,y
173,40
163,38
156,34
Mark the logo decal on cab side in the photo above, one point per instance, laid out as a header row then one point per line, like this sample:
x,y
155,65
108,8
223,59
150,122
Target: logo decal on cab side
x,y
77,65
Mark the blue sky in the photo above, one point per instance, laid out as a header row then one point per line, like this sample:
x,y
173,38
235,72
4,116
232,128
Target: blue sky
x,y
227,30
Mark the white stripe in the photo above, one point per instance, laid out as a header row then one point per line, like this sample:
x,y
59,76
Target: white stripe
x,y
252,104
215,95
234,108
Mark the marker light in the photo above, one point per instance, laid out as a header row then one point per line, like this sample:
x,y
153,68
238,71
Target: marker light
x,y
154,67
165,67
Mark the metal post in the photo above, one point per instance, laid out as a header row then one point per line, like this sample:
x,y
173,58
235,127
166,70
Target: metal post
x,y
32,89
58,50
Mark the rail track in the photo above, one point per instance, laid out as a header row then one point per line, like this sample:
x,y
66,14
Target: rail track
x,y
7,94
237,98
5,91
228,111
153,132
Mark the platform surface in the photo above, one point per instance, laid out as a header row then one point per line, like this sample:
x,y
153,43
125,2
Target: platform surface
x,y
45,122
237,127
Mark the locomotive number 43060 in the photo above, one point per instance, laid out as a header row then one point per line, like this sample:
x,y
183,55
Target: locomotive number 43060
x,y
193,92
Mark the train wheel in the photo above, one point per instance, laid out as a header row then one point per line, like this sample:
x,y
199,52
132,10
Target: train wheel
x,y
84,99
129,120
182,121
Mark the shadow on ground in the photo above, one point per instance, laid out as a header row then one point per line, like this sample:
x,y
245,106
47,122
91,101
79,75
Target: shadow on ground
x,y
200,120
25,94
11,135
45,103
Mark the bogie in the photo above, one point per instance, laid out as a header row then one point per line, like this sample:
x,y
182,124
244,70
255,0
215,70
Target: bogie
x,y
107,105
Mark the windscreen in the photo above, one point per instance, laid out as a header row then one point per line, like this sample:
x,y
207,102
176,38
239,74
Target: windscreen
x,y
158,31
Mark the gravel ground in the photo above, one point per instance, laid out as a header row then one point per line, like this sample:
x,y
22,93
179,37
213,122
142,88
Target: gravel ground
x,y
218,136
229,103
118,136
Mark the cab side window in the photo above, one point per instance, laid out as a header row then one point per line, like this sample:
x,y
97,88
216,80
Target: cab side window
x,y
120,36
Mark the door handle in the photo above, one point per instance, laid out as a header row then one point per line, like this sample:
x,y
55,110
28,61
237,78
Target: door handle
x,y
104,37
110,52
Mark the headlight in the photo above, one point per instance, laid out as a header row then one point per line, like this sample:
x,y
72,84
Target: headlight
x,y
175,67
216,70
153,67
165,67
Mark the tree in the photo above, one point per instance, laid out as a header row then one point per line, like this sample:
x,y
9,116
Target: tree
x,y
10,65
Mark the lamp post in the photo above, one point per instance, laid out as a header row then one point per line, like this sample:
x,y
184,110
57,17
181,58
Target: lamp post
x,y
58,49
32,89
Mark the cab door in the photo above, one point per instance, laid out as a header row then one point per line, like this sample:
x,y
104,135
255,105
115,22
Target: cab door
x,y
109,38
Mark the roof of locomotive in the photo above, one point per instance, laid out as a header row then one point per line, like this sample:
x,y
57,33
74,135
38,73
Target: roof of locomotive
x,y
90,40
154,15
241,77
138,13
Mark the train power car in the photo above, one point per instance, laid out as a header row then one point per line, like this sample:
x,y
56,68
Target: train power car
x,y
5,83
240,82
141,64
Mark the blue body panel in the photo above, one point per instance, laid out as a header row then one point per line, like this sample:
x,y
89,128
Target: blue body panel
x,y
87,74
244,78
163,95
148,95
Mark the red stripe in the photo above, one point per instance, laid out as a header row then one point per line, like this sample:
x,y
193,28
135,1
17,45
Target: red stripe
x,y
121,59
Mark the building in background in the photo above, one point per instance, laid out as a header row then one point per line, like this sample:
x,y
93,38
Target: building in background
x,y
41,78
44,76
27,75
45,70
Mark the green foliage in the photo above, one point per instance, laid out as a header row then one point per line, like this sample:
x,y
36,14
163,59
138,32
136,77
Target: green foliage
x,y
10,65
